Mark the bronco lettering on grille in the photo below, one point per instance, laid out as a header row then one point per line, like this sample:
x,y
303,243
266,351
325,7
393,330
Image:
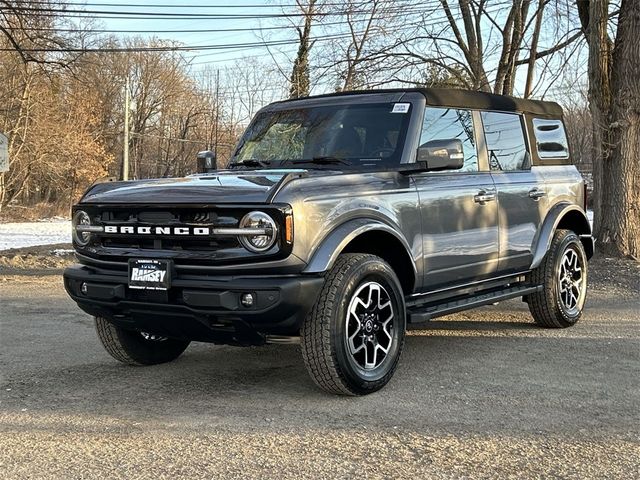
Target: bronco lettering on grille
x,y
122,229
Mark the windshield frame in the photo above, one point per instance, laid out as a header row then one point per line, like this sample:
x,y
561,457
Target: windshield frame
x,y
408,137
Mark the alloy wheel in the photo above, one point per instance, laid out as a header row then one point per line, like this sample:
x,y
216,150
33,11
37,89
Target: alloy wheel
x,y
571,281
369,325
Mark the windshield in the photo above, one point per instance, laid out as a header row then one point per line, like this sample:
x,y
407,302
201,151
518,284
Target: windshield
x,y
348,136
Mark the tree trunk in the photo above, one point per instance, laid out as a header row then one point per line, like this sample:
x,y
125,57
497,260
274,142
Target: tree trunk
x,y
619,229
300,82
616,124
599,96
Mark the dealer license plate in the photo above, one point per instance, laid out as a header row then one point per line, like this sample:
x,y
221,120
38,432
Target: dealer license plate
x,y
150,274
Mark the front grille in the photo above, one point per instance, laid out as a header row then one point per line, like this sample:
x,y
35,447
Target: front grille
x,y
168,217
161,240
173,217
191,244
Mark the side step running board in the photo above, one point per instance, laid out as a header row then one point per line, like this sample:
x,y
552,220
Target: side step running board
x,y
424,314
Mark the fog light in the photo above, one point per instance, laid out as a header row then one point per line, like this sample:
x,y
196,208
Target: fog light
x,y
246,300
83,288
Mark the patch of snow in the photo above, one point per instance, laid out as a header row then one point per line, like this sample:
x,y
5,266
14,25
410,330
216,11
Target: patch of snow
x,y
590,217
30,234
61,252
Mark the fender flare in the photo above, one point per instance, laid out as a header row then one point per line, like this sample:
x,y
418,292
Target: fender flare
x,y
333,244
549,226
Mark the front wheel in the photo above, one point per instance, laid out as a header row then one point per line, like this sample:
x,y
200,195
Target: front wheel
x,y
353,337
563,276
137,348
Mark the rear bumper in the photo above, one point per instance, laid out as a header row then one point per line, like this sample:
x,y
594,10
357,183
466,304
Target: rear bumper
x,y
198,307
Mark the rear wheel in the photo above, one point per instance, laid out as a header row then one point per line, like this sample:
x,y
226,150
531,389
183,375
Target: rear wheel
x,y
353,337
563,276
137,348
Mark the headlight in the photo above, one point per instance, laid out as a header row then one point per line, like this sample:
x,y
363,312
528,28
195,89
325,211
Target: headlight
x,y
262,242
81,218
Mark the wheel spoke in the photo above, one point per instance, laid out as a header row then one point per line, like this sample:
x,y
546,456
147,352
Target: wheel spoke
x,y
373,288
355,349
352,345
384,350
375,356
357,302
382,306
573,299
369,364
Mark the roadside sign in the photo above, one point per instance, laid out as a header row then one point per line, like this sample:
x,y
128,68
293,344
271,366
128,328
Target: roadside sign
x,y
4,153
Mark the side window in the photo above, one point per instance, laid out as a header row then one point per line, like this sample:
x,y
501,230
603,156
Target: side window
x,y
505,141
551,139
449,123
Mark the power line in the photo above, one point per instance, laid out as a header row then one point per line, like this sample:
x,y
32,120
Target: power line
x,y
63,12
175,48
190,48
221,47
181,6
216,30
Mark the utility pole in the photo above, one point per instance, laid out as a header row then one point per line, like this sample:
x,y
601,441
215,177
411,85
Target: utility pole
x,y
215,149
125,155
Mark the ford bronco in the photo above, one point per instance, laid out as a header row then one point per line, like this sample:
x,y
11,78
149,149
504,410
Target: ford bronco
x,y
340,220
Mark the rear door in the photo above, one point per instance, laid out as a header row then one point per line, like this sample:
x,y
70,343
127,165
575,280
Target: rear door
x,y
522,197
458,207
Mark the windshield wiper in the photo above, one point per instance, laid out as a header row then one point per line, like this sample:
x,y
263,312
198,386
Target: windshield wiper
x,y
250,162
321,161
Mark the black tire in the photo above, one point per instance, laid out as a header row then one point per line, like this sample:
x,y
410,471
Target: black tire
x,y
131,347
329,334
550,307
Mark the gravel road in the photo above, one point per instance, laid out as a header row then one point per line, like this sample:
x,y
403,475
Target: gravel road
x,y
483,394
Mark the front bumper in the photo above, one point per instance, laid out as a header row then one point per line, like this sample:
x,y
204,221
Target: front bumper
x,y
198,307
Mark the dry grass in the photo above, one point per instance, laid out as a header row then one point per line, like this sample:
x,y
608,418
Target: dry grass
x,y
19,213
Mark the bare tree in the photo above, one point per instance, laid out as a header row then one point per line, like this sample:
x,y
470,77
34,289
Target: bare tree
x,y
300,84
31,30
614,98
483,45
361,60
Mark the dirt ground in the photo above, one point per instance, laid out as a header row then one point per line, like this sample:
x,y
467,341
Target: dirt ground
x,y
483,394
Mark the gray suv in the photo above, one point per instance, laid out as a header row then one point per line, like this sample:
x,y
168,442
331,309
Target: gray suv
x,y
340,220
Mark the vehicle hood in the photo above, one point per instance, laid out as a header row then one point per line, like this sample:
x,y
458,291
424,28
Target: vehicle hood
x,y
247,186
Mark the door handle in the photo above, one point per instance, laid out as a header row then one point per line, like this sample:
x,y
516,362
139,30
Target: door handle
x,y
482,197
536,193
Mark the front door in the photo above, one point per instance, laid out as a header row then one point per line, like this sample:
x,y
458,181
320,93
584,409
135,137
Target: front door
x,y
458,207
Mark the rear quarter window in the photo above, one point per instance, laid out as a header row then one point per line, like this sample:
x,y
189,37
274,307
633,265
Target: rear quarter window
x,y
551,138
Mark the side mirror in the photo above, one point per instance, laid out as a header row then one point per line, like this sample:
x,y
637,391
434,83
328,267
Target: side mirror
x,y
441,154
206,162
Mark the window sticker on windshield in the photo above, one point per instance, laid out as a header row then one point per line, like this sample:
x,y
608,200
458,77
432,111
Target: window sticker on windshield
x,y
400,108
